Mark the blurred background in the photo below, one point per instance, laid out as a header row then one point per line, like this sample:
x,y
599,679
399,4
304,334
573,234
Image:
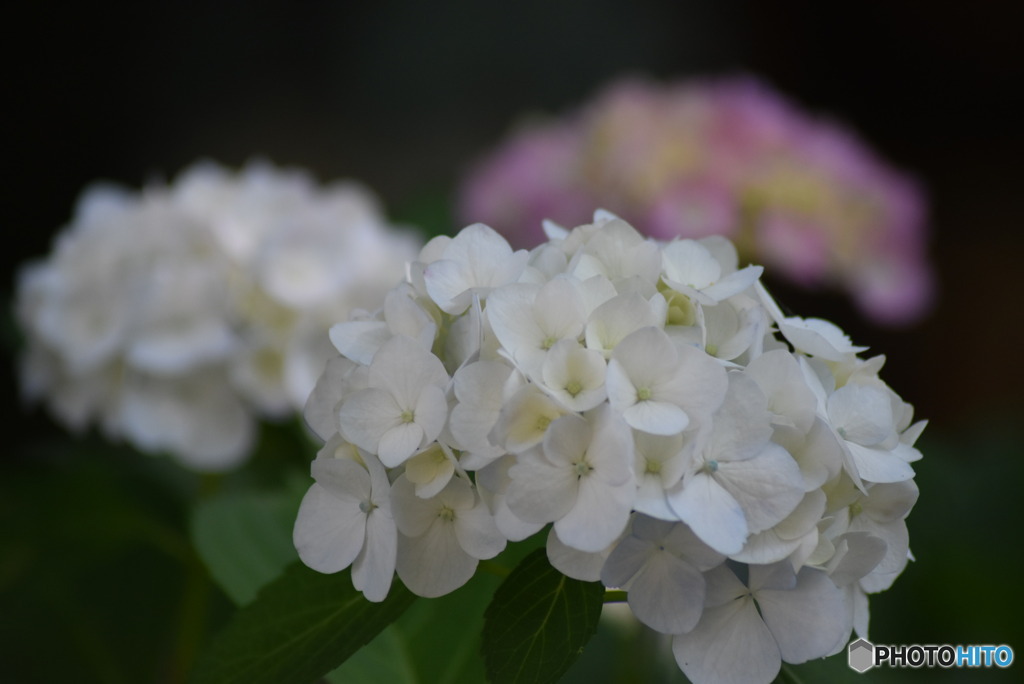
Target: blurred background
x,y
405,96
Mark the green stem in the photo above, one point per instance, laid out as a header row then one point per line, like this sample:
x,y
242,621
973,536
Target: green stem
x,y
614,596
191,619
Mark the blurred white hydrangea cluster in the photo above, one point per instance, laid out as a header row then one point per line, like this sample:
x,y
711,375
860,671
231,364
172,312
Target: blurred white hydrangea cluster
x,y
176,317
742,474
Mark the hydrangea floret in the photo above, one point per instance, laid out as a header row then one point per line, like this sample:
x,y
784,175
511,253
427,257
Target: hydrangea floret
x,y
742,475
176,317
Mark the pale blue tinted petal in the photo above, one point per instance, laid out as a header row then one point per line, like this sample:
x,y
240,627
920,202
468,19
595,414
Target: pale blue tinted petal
x,y
806,621
667,594
730,645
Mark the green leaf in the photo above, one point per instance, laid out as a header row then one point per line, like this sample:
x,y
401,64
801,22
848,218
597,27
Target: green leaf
x,y
538,623
437,641
300,627
245,537
385,660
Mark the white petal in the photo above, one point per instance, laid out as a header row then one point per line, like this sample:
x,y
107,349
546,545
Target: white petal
x,y
702,383
477,532
616,319
405,317
896,553
860,609
510,312
539,491
575,376
780,378
681,541
891,502
329,531
359,340
767,487
366,415
626,560
599,515
878,465
524,419
413,515
766,547
621,390
857,554
656,417
478,388
374,569
818,453
668,594
321,411
817,337
492,484
610,451
723,586
690,263
730,645
559,309
581,565
175,350
806,621
734,283
742,425
477,258
650,498
434,564
711,512
862,414
404,369
431,412
399,443
343,478
430,470
647,356
449,285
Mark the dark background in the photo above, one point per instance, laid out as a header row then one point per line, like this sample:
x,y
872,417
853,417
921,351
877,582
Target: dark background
x,y
404,95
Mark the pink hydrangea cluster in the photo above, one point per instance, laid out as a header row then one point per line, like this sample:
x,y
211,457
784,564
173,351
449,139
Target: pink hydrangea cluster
x,y
730,157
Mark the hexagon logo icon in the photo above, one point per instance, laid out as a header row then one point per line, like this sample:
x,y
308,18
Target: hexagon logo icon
x,y
861,655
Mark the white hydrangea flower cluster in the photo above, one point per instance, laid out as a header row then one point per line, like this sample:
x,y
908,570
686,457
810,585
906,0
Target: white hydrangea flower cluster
x,y
742,474
176,317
